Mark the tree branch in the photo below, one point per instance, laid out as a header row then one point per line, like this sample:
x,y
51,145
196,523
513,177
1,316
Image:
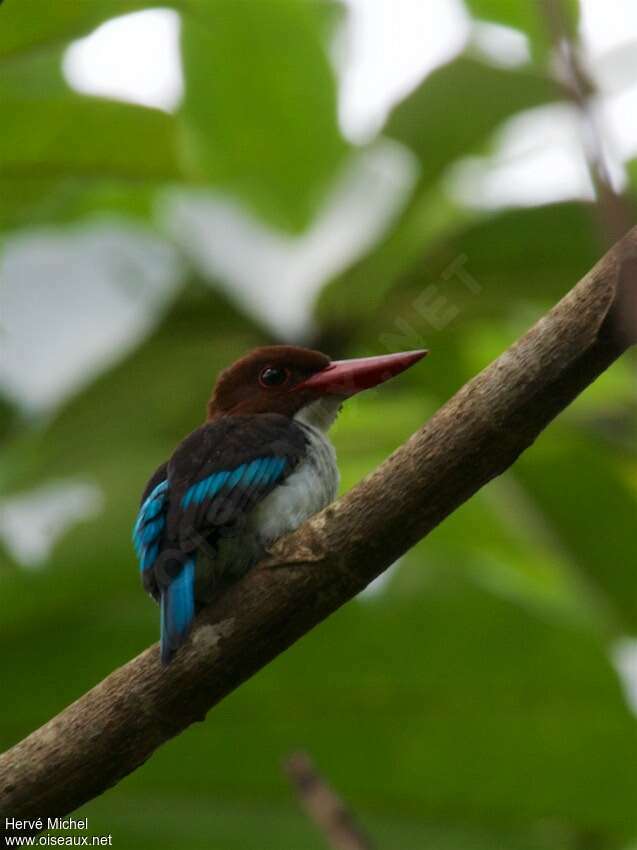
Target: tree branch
x,y
324,806
116,726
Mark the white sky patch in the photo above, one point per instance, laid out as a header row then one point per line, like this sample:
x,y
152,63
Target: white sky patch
x,y
384,52
73,302
276,276
615,70
618,116
538,159
624,658
32,523
134,58
502,46
609,36
607,23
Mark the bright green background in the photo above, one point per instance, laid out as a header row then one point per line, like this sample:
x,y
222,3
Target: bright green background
x,y
472,703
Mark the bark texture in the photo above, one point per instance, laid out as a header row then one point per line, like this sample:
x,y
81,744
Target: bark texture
x,y
116,726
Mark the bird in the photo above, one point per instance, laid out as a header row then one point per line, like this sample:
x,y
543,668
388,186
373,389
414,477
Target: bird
x,y
260,465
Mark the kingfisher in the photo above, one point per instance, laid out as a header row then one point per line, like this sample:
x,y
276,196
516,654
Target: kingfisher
x,y
260,465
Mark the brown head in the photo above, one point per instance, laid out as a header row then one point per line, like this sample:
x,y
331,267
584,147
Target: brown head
x,y
286,378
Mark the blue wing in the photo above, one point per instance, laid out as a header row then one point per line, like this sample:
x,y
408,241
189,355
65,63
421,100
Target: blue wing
x,y
223,493
196,495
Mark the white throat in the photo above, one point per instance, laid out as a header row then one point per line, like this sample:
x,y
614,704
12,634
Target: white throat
x,y
320,414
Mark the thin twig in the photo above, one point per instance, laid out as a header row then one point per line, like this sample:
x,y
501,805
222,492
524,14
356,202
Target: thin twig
x,y
614,212
323,805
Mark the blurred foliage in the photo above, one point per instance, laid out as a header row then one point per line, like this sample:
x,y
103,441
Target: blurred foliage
x,y
470,699
236,112
432,122
530,19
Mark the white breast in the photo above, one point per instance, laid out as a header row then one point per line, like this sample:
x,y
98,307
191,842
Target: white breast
x,y
312,485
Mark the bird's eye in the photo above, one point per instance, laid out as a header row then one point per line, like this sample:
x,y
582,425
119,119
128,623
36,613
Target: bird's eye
x,y
273,376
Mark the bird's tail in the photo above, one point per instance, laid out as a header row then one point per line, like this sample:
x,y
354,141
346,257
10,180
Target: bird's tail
x,y
177,611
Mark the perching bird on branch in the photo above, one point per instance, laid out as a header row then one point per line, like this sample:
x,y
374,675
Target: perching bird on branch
x,y
258,467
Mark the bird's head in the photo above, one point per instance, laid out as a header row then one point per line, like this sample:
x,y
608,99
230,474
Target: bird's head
x,y
289,380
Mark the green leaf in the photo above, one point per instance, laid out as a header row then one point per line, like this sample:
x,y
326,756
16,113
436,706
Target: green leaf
x,y
457,108
40,24
9,416
593,518
531,18
75,136
631,168
66,155
532,253
259,112
32,76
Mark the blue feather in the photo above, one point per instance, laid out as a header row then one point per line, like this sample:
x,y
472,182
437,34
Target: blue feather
x,y
154,507
236,476
260,472
177,610
251,472
204,489
152,529
218,481
268,467
148,557
214,483
150,525
200,491
277,468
